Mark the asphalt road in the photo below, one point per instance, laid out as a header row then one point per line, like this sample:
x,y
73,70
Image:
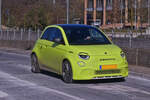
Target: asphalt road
x,y
17,82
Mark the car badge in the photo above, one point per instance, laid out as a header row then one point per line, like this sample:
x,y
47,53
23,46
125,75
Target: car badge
x,y
100,67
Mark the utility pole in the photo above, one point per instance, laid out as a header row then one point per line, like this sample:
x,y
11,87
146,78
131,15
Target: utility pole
x,y
0,14
67,11
149,13
54,1
121,11
135,13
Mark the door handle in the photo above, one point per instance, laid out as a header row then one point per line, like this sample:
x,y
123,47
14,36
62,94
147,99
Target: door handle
x,y
40,46
44,46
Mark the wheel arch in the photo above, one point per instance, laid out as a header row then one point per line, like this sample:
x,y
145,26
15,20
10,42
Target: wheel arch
x,y
66,59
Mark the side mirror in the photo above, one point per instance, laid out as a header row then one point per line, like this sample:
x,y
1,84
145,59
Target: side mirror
x,y
58,40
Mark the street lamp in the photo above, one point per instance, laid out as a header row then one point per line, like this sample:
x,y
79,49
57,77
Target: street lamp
x,y
0,14
121,11
135,13
67,11
149,13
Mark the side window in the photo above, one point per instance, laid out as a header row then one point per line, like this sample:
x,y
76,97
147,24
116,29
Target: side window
x,y
46,34
55,33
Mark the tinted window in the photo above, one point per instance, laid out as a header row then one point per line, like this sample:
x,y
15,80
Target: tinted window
x,y
52,33
45,34
81,35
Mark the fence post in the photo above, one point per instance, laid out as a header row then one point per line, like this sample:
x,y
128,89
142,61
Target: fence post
x,y
14,37
7,34
1,35
137,54
38,33
130,39
21,33
112,36
29,34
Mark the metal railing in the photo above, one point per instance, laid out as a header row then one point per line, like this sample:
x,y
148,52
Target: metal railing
x,y
123,39
26,35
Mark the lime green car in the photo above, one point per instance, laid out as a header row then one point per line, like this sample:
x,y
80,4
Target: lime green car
x,y
78,52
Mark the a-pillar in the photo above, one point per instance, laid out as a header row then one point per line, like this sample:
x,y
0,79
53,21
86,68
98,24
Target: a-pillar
x,y
94,13
85,11
104,12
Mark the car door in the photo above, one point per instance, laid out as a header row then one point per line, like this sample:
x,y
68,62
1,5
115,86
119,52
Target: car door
x,y
56,50
44,43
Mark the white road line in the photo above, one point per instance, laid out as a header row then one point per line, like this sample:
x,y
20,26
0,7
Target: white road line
x,y
3,94
139,78
14,54
120,90
142,74
19,82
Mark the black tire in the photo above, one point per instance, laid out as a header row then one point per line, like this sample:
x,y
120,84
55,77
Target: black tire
x,y
34,64
120,79
67,72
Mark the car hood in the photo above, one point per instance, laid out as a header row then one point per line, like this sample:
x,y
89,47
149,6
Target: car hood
x,y
97,49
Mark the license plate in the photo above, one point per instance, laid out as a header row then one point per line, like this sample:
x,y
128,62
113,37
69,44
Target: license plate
x,y
107,67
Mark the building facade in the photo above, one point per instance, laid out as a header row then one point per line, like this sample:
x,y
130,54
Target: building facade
x,y
117,13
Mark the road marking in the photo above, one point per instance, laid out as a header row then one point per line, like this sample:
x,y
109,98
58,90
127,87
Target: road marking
x,y
23,55
19,82
3,94
142,74
120,90
139,78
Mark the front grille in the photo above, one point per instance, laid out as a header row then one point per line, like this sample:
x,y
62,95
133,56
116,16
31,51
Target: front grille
x,y
107,71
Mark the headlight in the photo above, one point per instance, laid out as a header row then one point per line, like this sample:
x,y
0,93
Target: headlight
x,y
122,54
84,56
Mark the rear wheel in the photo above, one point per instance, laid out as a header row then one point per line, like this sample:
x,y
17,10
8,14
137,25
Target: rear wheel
x,y
34,64
67,72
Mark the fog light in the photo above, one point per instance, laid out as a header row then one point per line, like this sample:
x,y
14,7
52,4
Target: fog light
x,y
81,63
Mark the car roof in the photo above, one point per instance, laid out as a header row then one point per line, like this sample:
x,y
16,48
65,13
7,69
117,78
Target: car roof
x,y
73,25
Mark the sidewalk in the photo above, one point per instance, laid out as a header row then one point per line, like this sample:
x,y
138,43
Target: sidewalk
x,y
15,50
140,70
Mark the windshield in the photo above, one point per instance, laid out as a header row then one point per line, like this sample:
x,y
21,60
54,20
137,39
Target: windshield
x,y
83,35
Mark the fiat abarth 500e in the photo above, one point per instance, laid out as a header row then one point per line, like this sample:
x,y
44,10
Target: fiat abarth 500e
x,y
78,52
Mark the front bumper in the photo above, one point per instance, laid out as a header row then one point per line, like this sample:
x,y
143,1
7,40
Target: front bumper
x,y
91,69
90,74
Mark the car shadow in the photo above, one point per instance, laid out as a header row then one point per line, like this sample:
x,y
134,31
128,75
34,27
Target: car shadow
x,y
51,74
98,81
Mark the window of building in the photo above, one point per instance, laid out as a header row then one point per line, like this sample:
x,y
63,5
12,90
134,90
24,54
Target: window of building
x,y
99,5
90,3
109,4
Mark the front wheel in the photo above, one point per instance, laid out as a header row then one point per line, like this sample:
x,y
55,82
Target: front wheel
x,y
34,64
67,72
